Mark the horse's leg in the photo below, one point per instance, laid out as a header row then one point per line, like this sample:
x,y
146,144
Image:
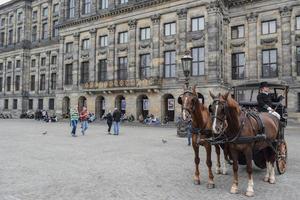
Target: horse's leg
x,y
267,176
235,167
197,159
226,159
248,155
272,164
210,183
218,167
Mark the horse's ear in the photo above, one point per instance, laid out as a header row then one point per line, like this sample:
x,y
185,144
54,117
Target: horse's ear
x,y
179,100
226,95
194,89
212,95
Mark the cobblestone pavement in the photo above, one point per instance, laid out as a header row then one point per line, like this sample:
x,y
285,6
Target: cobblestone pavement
x,y
135,165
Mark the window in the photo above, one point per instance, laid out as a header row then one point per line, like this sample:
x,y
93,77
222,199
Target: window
x,y
51,104
17,84
103,41
18,64
269,68
34,34
32,82
123,37
10,37
6,104
20,15
123,1
86,6
30,104
69,47
198,61
269,27
197,23
1,66
33,63
55,8
45,31
145,33
43,61
53,81
2,39
122,68
237,32
102,70
71,8
84,72
45,12
238,66
15,104
42,82
298,22
8,84
11,19
68,74
19,34
170,64
145,66
103,4
53,60
40,104
170,29
1,84
298,60
85,44
34,15
9,65
3,22
55,29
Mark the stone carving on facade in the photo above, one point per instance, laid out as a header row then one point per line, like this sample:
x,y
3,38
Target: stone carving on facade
x,y
145,44
132,23
76,35
111,28
286,11
85,55
93,31
168,40
214,7
182,13
102,51
235,44
155,19
195,36
252,17
122,48
268,41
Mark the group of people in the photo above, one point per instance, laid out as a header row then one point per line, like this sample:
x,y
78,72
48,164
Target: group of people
x,y
83,116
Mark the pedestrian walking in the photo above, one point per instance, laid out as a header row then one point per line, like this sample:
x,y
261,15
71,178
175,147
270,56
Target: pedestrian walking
x,y
109,120
116,121
74,116
84,120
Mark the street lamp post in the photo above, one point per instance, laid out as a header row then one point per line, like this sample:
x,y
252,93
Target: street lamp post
x,y
186,66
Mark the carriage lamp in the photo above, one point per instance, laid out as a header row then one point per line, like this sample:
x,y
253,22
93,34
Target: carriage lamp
x,y
186,66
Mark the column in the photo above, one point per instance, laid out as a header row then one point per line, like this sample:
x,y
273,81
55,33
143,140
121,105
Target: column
x,y
37,76
213,44
132,49
252,65
4,75
111,53
25,80
155,46
48,74
182,30
92,54
60,69
76,65
285,14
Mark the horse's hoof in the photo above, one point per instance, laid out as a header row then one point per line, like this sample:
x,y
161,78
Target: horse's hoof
x,y
210,185
218,171
266,179
272,180
249,193
234,190
197,182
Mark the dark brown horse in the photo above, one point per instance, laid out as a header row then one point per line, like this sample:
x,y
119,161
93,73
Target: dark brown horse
x,y
198,114
240,125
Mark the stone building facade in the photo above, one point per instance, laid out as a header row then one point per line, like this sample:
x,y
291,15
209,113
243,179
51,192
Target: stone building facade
x,y
126,53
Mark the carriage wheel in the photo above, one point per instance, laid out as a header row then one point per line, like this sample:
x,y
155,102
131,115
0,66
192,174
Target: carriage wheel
x,y
281,160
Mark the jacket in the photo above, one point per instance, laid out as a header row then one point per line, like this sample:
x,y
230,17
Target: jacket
x,y
264,101
109,118
117,116
74,115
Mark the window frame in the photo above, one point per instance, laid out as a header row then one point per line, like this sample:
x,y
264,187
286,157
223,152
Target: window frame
x,y
171,66
298,60
53,80
85,44
15,104
123,37
199,62
268,31
237,66
122,73
103,39
84,72
17,83
145,67
198,28
30,104
51,103
45,32
270,63
169,24
102,70
8,83
238,32
69,46
68,74
297,22
145,33
6,104
32,83
42,82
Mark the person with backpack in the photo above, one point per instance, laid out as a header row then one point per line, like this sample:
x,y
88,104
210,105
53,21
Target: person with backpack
x,y
109,121
116,121
74,116
84,114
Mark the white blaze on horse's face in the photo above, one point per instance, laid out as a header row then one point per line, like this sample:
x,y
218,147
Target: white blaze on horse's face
x,y
184,112
215,119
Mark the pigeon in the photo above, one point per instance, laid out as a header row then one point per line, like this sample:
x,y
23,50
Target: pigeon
x,y
44,133
164,141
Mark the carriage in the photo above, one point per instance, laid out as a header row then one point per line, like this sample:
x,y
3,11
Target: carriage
x,y
246,95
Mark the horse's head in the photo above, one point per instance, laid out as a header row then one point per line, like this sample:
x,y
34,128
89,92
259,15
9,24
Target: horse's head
x,y
218,110
188,101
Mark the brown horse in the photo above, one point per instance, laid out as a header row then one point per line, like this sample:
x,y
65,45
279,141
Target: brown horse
x,y
240,125
198,114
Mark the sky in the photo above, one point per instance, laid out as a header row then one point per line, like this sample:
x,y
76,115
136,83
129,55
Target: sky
x,y
3,1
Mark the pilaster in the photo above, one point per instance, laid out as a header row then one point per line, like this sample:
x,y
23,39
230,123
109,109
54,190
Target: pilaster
x,y
92,53
155,46
132,49
252,64
182,31
111,63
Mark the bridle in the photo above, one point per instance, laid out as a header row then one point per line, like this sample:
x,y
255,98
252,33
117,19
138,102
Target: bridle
x,y
214,115
184,108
